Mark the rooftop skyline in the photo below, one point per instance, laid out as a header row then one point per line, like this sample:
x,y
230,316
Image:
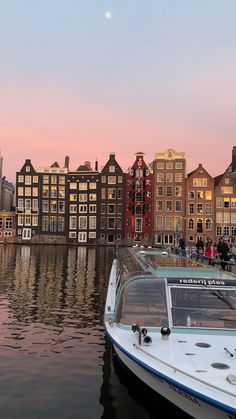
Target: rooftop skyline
x,y
89,77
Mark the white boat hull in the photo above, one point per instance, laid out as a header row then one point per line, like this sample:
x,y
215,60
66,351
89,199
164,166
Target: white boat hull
x,y
188,403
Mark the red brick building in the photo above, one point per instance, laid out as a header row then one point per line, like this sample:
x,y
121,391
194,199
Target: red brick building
x,y
138,203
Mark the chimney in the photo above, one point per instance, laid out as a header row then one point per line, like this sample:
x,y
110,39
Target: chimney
x,y
96,165
88,165
234,159
67,161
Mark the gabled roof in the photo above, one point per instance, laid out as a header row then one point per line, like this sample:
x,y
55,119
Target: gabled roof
x,y
55,164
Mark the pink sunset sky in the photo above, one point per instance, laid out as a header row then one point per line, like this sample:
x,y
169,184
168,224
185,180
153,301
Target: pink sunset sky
x,y
149,76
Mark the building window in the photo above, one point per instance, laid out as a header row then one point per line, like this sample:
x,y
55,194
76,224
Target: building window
x,y
83,208
83,186
200,195
111,208
208,224
169,165
178,206
138,197
53,191
112,168
73,185
111,180
199,182
191,208
35,206
208,195
27,220
119,179
138,184
35,220
45,191
103,179
8,222
178,164
28,205
20,219
169,177
199,225
20,204
92,185
73,222
53,206
92,222
61,206
28,191
28,180
169,191
83,197
45,223
191,224
159,205
160,177
110,222
72,234
20,178
138,210
35,191
219,202
73,197
61,192
208,208
168,223
160,165
226,202
92,197
82,237
199,208
178,177
119,223
169,206
61,180
45,179
45,206
226,190
93,208
73,208
82,222
26,233
160,191
92,235
20,191
61,224
53,224
111,193
138,225
103,222
159,222
54,179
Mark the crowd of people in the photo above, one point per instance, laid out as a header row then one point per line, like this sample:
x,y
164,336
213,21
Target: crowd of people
x,y
211,250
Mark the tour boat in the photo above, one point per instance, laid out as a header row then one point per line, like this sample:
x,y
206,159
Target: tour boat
x,y
172,323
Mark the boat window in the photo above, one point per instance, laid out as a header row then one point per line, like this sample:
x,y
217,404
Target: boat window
x,y
203,307
143,302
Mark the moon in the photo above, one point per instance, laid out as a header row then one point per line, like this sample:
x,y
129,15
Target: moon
x,y
108,15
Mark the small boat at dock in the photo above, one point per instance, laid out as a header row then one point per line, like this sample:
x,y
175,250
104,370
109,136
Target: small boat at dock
x,y
172,323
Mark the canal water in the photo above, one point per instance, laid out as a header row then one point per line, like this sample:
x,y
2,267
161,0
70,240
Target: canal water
x,y
55,362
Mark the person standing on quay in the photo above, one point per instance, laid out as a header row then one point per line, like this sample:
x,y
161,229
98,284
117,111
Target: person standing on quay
x,y
223,252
